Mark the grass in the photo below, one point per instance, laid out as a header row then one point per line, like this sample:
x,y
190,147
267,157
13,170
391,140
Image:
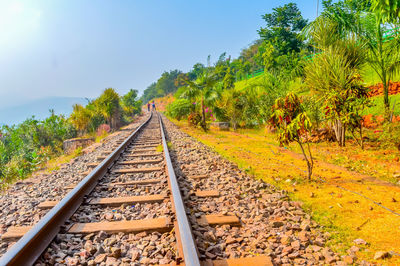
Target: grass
x,y
378,108
55,163
160,147
334,202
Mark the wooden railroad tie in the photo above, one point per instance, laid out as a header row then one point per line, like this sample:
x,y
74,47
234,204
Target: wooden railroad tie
x,y
128,200
137,182
162,224
147,143
128,183
138,170
158,224
261,260
141,161
48,204
146,146
141,150
207,193
143,155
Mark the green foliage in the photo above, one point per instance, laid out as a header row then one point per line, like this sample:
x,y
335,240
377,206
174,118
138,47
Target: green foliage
x,y
388,9
180,108
204,91
166,84
195,119
108,105
334,75
109,108
80,118
354,17
390,137
283,29
130,104
233,104
249,102
312,107
292,123
383,55
25,147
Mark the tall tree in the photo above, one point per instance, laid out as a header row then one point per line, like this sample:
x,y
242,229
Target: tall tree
x,y
283,28
384,55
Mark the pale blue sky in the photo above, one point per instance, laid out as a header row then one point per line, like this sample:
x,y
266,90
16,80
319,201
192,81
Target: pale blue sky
x,y
79,47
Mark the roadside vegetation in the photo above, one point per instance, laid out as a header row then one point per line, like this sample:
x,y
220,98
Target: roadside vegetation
x,y
27,147
332,87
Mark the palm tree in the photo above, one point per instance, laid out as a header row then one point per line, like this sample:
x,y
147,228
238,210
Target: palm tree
x,y
334,75
389,9
355,17
202,88
383,55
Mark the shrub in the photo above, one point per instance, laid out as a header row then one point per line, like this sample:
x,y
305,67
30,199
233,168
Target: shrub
x,y
194,119
179,109
103,129
292,122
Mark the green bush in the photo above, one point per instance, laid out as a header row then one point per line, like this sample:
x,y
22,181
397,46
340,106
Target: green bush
x,y
179,109
25,147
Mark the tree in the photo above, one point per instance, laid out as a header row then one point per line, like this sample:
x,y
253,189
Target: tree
x,y
80,118
203,89
166,84
283,28
334,75
233,103
383,55
130,104
196,71
107,104
388,9
292,123
355,17
228,80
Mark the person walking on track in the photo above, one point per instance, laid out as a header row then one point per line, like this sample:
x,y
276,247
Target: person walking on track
x,y
148,107
154,106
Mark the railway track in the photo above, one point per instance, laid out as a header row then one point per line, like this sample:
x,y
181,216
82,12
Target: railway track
x,y
132,195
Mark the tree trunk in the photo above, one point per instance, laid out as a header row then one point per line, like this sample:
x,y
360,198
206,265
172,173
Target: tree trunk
x,y
203,116
310,161
384,74
386,99
340,132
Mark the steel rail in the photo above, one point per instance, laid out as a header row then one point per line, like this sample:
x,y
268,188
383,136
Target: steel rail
x,y
190,254
29,248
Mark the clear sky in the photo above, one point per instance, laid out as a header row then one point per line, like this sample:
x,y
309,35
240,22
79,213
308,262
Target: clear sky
x,y
79,47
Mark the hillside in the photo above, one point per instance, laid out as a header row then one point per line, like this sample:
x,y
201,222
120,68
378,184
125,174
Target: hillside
x,y
38,108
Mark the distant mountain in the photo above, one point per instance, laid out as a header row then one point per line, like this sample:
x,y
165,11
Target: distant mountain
x,y
39,108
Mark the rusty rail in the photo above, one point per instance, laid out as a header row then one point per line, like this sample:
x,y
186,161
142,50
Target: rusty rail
x,y
29,248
